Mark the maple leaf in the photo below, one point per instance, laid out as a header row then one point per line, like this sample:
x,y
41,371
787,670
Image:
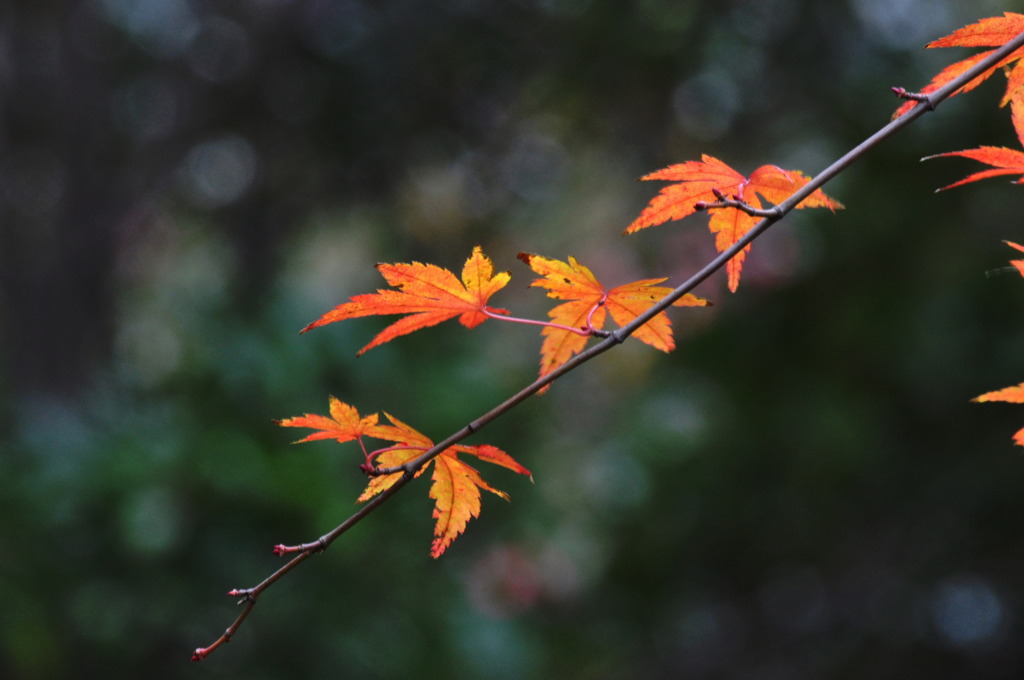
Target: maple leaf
x,y
706,179
456,484
989,32
343,425
1019,264
1013,395
589,303
1004,161
428,295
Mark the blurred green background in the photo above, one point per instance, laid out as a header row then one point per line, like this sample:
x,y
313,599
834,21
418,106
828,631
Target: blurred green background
x,y
801,490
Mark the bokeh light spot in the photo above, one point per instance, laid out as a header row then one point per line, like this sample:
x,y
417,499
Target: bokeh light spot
x,y
216,173
966,611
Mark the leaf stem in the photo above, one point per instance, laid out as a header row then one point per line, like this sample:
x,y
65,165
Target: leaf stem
x,y
404,467
590,317
586,332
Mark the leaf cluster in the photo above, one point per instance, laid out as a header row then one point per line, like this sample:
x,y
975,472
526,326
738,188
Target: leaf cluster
x,y
425,295
740,207
456,484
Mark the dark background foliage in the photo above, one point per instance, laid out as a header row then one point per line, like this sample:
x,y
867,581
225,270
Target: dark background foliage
x,y
801,490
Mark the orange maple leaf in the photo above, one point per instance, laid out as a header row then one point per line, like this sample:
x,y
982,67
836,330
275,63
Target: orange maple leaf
x,y
343,425
989,32
428,295
587,306
1003,161
1019,264
698,181
456,485
1013,395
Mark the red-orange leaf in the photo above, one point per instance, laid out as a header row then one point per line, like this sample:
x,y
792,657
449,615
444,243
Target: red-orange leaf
x,y
456,485
988,32
428,295
1013,395
698,181
344,424
1019,264
587,306
1003,161
695,181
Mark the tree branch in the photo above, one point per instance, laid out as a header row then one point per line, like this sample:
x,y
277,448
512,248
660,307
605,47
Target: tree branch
x,y
927,102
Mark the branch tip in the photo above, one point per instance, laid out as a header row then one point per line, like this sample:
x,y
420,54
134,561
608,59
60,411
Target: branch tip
x,y
920,97
739,204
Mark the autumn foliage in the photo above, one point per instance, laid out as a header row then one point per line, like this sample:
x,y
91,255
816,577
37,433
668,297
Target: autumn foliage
x,y
588,304
1017,264
700,184
1014,394
456,485
990,32
424,295
1003,161
427,295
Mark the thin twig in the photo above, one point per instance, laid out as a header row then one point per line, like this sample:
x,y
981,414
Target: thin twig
x,y
250,595
726,202
927,102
